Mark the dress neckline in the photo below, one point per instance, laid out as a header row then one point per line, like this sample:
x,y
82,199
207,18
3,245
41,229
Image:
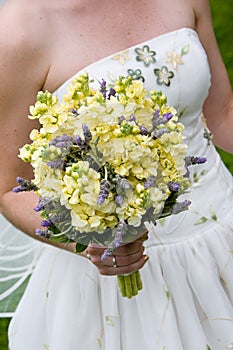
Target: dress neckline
x,y
101,60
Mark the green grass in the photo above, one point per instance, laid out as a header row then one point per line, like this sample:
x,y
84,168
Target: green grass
x,y
223,24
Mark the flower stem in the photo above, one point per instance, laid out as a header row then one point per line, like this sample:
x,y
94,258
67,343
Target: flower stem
x,y
130,284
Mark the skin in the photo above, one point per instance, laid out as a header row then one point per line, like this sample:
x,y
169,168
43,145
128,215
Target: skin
x,y
37,37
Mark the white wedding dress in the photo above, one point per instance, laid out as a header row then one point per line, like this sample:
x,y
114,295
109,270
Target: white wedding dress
x,y
187,297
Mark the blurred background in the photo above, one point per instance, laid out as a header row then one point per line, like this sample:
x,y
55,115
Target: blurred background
x,y
222,12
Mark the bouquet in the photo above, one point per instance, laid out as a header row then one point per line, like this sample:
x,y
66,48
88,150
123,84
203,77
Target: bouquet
x,y
106,160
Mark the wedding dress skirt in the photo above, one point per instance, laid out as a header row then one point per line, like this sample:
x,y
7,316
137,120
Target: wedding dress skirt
x,y
187,297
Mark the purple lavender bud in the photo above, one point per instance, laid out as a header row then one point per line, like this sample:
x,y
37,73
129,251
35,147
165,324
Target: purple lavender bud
x,y
160,119
104,191
144,131
159,132
87,133
168,116
56,164
150,182
120,231
106,254
180,206
103,88
121,119
119,200
63,141
42,233
19,180
101,198
40,205
24,186
17,189
112,92
173,186
191,160
46,223
132,119
77,140
123,184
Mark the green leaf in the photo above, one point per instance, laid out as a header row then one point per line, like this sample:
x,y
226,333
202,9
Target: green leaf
x,y
185,50
213,215
167,293
109,321
201,220
207,347
79,248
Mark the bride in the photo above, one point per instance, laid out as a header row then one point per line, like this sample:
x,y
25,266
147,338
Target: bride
x,y
72,301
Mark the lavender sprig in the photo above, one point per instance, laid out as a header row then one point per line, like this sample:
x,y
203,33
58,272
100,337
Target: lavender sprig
x,y
104,191
24,185
191,160
160,119
173,186
180,206
118,239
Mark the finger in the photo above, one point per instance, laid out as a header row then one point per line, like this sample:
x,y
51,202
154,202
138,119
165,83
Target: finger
x,y
119,260
111,271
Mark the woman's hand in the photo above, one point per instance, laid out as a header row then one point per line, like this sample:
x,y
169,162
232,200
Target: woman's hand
x,y
125,259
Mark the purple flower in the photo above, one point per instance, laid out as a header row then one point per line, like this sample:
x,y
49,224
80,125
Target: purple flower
x,y
191,160
144,131
132,119
103,88
150,182
40,205
119,200
112,92
121,119
120,231
42,233
46,223
24,185
104,191
56,164
180,206
87,133
160,119
159,132
123,184
63,141
173,186
118,239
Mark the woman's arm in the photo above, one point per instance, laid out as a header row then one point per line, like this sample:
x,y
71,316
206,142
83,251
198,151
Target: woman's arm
x,y
218,107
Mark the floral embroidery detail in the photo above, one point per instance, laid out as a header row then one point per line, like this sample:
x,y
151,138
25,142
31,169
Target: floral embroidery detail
x,y
122,57
136,74
197,177
164,76
207,134
175,58
109,320
145,55
203,219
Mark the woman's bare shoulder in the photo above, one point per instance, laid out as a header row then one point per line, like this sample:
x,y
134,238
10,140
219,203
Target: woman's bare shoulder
x,y
22,23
